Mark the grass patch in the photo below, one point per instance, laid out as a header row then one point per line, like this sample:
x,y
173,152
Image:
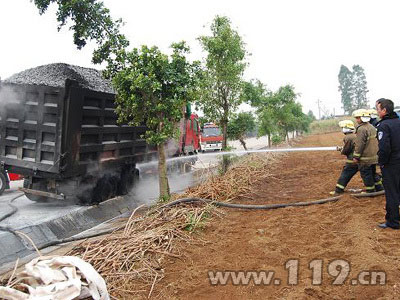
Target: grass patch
x,y
330,125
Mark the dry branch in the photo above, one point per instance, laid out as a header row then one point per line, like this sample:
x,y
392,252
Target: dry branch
x,y
131,259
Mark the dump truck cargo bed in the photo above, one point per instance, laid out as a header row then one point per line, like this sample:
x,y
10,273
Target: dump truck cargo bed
x,y
58,122
62,131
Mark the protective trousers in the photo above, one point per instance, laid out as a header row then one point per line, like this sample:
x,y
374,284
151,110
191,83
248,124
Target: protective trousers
x,y
377,179
391,182
349,170
367,175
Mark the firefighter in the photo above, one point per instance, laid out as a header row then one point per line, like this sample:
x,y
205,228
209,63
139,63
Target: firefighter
x,y
350,168
389,160
366,149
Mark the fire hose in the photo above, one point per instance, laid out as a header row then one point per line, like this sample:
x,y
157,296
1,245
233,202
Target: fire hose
x,y
14,209
249,206
178,202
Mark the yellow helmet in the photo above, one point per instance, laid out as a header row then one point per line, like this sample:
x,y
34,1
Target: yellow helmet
x,y
346,124
372,112
361,113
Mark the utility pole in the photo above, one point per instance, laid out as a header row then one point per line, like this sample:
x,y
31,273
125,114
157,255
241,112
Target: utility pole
x,y
319,109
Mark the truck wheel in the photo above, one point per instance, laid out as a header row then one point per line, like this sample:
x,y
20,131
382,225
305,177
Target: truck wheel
x,y
128,178
41,186
106,188
3,182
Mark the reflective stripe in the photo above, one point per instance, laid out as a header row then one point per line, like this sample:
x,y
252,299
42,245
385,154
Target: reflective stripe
x,y
341,186
369,158
370,187
350,161
379,182
356,154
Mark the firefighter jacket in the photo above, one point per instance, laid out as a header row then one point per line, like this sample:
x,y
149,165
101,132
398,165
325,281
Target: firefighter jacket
x,y
389,140
348,147
366,144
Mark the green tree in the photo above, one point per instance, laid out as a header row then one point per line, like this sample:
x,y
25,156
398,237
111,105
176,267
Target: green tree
x,y
353,88
346,88
254,92
360,89
311,115
283,102
222,81
267,123
239,125
90,20
280,114
152,88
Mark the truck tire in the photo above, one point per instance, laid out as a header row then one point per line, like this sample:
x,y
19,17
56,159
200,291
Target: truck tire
x,y
3,182
129,176
106,188
41,186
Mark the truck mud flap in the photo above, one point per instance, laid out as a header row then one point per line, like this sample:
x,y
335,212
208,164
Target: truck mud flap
x,y
42,193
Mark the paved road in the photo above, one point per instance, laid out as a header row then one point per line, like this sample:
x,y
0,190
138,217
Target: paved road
x,y
29,212
32,213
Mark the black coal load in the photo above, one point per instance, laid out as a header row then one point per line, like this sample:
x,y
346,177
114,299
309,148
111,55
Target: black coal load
x,y
54,75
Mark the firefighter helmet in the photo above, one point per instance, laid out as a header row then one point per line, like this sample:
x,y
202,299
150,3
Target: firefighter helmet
x,y
361,113
373,113
346,124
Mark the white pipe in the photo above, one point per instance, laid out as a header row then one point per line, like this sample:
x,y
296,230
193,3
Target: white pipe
x,y
304,149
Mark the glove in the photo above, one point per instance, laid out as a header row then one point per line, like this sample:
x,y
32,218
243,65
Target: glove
x,y
338,148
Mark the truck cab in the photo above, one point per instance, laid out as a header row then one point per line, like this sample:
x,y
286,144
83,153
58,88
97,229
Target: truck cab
x,y
189,140
211,137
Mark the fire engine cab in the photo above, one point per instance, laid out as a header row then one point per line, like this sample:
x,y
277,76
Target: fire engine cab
x,y
211,137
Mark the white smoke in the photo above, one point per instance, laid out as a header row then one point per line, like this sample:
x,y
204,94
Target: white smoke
x,y
146,190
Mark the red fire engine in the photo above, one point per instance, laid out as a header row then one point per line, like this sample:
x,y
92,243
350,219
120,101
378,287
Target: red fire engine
x,y
211,137
189,141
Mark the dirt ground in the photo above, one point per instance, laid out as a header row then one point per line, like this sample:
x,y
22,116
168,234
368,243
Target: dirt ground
x,y
265,240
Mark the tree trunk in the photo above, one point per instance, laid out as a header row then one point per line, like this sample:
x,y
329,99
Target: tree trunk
x,y
241,140
269,141
225,135
162,172
224,123
288,138
225,163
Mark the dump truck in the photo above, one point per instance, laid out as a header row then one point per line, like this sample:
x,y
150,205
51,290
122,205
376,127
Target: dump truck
x,y
58,129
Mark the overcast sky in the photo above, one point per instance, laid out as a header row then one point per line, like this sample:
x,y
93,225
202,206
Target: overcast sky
x,y
302,43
